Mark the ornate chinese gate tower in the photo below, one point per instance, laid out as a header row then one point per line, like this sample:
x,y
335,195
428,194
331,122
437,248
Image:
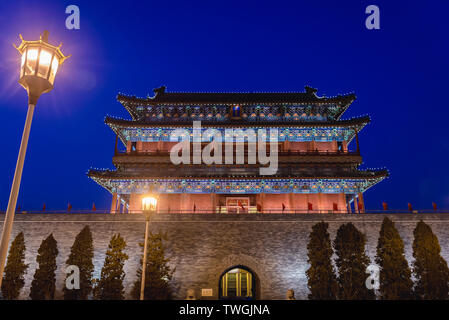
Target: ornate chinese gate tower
x,y
316,170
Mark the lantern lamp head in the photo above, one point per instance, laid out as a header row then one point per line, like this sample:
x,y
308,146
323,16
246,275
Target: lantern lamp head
x,y
149,203
40,62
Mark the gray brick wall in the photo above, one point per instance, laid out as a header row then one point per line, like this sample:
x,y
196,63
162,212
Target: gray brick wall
x,y
203,246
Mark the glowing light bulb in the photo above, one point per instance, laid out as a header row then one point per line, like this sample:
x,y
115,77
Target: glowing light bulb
x,y
45,58
149,204
32,54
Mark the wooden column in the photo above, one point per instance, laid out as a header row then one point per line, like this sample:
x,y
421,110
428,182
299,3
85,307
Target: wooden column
x,y
334,146
159,145
291,203
262,202
362,203
320,202
119,204
348,205
139,146
189,204
114,203
356,206
307,196
312,145
341,202
214,202
183,204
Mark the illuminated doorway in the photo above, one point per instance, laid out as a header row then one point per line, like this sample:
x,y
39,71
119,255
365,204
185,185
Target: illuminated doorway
x,y
238,283
237,205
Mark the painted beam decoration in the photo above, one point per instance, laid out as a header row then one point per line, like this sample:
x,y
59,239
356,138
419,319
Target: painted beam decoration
x,y
237,186
219,113
284,133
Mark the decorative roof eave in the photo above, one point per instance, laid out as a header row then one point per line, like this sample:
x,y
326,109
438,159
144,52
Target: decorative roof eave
x,y
233,98
109,182
112,175
377,180
124,123
117,124
134,101
132,111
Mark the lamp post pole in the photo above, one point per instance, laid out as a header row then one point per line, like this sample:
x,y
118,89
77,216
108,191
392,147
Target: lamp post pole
x,y
149,206
144,260
9,218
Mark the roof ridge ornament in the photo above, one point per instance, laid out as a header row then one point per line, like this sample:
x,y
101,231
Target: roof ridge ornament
x,y
44,36
160,90
310,90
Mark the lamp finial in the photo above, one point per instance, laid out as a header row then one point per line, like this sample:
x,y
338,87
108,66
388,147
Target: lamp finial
x,y
44,36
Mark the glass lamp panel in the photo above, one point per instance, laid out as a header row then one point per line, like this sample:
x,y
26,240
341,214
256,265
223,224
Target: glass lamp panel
x,y
44,63
23,59
53,70
30,66
22,64
149,204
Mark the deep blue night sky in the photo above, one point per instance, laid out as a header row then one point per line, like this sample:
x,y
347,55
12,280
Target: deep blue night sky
x,y
399,74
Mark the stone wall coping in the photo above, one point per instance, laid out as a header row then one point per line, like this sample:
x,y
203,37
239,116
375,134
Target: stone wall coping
x,y
185,218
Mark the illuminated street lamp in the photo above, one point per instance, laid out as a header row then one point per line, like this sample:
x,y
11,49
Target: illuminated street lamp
x,y
40,62
149,205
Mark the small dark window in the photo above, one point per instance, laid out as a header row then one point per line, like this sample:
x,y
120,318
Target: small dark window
x,y
340,146
236,111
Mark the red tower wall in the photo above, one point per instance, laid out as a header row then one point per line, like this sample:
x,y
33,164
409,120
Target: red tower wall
x,y
201,203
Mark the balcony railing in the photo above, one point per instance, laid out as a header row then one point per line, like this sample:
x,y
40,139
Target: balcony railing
x,y
280,153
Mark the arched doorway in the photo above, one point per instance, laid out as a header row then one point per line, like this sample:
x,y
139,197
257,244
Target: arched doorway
x,y
237,283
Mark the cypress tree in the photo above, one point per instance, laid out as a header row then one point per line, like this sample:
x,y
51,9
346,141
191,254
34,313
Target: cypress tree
x,y
395,274
430,269
13,280
43,284
321,278
157,272
352,263
110,284
81,255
